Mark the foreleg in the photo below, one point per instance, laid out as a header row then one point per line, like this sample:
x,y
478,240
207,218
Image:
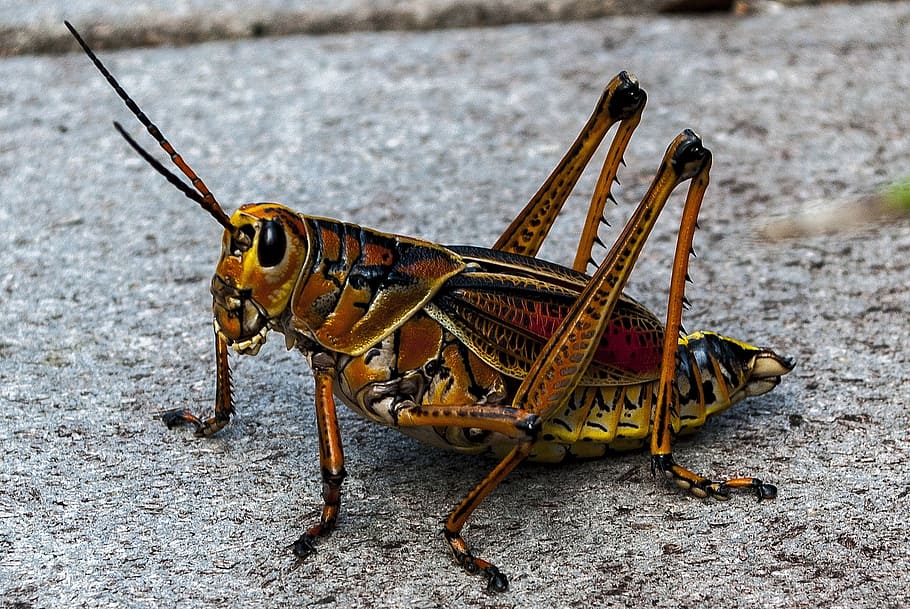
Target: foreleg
x,y
224,402
331,455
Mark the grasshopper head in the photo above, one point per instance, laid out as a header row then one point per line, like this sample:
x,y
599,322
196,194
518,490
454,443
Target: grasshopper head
x,y
253,283
263,247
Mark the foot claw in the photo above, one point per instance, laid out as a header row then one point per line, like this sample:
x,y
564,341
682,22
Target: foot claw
x,y
201,428
498,582
179,416
304,546
765,491
719,490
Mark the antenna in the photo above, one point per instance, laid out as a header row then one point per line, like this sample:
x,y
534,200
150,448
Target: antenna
x,y
198,192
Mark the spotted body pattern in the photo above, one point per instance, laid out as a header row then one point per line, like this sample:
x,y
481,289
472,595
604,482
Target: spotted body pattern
x,y
422,363
475,349
426,360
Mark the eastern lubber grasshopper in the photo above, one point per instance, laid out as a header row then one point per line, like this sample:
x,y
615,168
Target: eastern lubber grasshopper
x,y
475,349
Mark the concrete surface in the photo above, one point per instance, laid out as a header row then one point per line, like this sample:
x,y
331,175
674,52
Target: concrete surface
x,y
105,313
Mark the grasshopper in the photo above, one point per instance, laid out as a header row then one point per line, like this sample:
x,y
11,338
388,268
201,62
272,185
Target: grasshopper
x,y
481,350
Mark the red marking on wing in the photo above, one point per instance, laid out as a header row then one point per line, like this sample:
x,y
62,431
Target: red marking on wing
x,y
623,345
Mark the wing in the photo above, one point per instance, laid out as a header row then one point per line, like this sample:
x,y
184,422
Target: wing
x,y
504,307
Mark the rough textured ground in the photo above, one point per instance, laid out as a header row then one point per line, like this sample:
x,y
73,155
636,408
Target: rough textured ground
x,y
105,313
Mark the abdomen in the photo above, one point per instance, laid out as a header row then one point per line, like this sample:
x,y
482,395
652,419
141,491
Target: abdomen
x,y
423,363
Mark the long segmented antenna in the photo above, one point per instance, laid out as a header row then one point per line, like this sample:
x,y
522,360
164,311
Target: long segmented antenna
x,y
173,178
198,192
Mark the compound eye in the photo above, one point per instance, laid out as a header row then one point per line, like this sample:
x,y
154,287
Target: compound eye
x,y
272,243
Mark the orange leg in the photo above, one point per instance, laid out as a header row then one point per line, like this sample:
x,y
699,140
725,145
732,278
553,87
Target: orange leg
x,y
520,425
224,402
622,100
496,581
666,410
331,455
513,422
563,360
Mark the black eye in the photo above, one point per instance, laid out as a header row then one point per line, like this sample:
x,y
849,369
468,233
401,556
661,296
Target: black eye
x,y
272,243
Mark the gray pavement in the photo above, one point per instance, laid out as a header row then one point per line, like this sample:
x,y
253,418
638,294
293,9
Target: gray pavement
x,y
105,313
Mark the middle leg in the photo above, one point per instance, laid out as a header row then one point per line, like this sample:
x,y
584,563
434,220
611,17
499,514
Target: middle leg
x,y
520,426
